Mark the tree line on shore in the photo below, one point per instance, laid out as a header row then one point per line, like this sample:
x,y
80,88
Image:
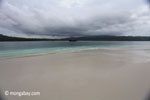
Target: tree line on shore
x,y
83,38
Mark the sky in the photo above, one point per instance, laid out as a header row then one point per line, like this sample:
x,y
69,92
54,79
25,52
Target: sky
x,y
68,18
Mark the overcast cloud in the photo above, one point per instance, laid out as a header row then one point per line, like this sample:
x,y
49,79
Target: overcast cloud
x,y
63,18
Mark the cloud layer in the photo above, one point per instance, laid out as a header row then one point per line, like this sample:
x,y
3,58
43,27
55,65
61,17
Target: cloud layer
x,y
63,18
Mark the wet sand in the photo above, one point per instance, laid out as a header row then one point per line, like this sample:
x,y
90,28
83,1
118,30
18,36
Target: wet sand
x,y
103,74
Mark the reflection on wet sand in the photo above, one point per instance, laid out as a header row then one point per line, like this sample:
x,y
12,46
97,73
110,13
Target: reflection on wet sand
x,y
104,74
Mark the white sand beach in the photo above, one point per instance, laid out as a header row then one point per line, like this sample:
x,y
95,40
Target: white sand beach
x,y
102,74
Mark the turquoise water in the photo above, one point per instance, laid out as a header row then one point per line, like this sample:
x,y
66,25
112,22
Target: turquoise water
x,y
13,49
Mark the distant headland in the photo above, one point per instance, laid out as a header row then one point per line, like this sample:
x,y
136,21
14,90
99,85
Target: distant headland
x,y
83,38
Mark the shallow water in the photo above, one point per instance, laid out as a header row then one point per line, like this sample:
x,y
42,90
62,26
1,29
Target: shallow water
x,y
11,49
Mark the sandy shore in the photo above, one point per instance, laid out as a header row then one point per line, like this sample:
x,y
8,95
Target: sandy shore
x,y
103,74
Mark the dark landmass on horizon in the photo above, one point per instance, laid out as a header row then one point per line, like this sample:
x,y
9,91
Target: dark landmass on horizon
x,y
84,38
9,38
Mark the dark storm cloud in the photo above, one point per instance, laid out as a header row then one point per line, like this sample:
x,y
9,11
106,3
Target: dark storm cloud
x,y
97,25
114,25
71,18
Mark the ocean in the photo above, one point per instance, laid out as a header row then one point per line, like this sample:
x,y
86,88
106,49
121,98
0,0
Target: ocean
x,y
27,48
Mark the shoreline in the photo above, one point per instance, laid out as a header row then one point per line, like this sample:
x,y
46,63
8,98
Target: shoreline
x,y
43,54
89,49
